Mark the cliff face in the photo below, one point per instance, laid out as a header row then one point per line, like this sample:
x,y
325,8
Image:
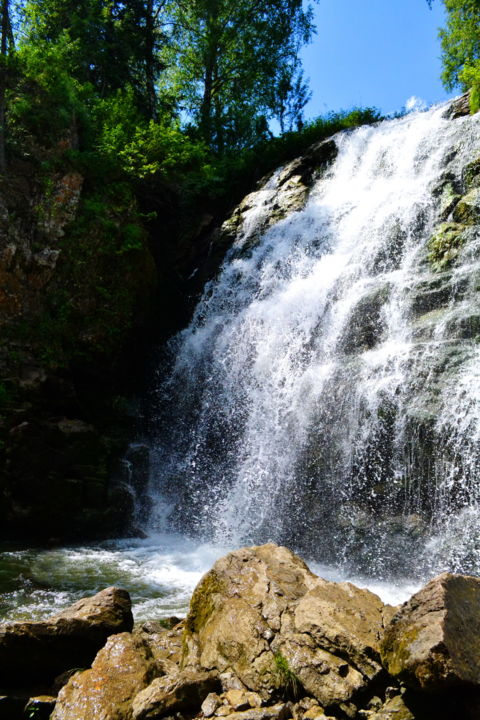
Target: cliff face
x,y
77,281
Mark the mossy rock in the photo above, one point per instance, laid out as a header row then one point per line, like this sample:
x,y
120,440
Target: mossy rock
x,y
471,174
467,210
202,603
448,200
446,244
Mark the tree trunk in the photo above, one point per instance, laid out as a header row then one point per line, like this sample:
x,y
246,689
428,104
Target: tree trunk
x,y
150,60
3,82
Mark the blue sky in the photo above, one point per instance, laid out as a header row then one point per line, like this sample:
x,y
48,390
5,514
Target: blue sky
x,y
374,53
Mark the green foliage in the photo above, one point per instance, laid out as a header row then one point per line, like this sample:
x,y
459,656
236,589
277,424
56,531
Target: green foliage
x,y
45,83
154,149
470,78
235,174
461,47
287,678
234,65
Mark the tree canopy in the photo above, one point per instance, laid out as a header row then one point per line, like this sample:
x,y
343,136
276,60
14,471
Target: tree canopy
x,y
235,66
220,69
461,47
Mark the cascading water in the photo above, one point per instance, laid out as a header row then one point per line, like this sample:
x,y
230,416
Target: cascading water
x,y
326,393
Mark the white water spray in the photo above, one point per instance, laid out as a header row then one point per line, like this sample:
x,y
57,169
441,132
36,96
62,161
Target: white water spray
x,y
322,395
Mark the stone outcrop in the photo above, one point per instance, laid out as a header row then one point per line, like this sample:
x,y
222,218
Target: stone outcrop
x,y
77,280
263,617
39,651
433,642
276,196
265,639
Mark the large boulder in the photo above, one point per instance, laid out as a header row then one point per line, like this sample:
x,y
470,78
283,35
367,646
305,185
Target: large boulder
x,y
262,617
433,641
120,671
38,651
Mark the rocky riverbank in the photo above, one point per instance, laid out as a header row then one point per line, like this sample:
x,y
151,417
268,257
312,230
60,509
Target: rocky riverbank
x,y
264,639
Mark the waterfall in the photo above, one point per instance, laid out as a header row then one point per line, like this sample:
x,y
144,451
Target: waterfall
x,y
326,394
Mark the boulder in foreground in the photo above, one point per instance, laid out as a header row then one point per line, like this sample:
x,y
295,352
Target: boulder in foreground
x,y
433,642
262,617
39,651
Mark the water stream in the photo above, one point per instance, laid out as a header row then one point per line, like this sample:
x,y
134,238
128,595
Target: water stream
x,y
325,396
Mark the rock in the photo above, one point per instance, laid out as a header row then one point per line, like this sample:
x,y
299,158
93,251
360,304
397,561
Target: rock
x,y
281,711
467,210
459,107
471,174
445,245
237,699
37,651
184,691
448,201
433,641
254,699
263,616
120,671
165,644
108,612
393,708
210,704
40,707
276,197
314,712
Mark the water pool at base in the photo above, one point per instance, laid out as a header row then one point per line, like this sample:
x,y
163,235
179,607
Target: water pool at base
x,y
159,572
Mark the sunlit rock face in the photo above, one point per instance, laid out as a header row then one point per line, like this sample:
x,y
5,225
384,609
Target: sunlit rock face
x,y
326,394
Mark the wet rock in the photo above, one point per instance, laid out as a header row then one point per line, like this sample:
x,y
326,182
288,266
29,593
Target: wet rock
x,y
263,616
36,651
459,107
40,707
366,322
184,691
289,193
471,174
434,292
120,671
467,210
448,201
446,244
433,641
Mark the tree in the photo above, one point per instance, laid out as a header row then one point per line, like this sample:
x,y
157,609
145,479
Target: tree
x,y
234,66
6,47
112,44
461,47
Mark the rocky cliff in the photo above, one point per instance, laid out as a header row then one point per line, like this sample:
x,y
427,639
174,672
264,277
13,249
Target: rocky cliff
x,y
77,285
